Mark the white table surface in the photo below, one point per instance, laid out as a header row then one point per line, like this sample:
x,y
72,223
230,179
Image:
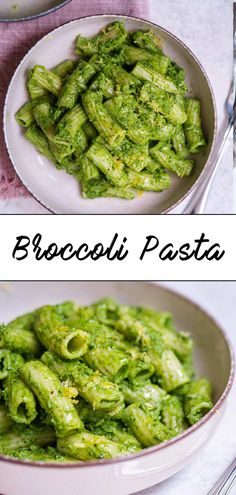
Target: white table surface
x,y
206,27
218,298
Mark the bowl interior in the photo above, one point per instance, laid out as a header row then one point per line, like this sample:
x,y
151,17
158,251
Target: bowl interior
x,y
59,191
212,355
11,9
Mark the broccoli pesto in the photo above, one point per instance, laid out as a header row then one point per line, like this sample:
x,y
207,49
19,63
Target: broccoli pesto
x,y
118,118
95,382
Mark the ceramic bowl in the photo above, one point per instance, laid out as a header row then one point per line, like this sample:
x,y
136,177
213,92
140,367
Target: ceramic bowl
x,y
23,10
58,191
213,358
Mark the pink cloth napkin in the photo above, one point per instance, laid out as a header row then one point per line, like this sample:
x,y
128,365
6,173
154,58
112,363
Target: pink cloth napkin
x,y
17,38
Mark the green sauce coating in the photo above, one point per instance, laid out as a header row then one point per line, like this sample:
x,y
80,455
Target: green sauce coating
x,y
49,391
132,386
118,118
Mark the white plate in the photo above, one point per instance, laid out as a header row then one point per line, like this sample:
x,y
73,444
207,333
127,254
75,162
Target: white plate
x,y
139,471
18,10
57,190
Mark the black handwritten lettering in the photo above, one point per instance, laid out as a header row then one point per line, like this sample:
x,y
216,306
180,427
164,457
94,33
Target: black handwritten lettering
x,y
98,251
184,252
146,248
167,253
51,252
200,243
68,247
36,249
119,252
203,250
84,247
199,249
23,241
114,251
216,254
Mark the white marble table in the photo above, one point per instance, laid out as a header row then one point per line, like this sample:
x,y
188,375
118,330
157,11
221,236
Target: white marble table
x,y
219,299
206,27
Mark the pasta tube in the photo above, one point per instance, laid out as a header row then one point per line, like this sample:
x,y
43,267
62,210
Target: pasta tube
x,y
25,116
145,426
19,336
5,421
179,142
197,401
144,72
109,166
70,125
56,335
98,115
173,413
193,127
110,38
9,361
132,55
39,140
19,438
46,79
146,181
19,399
86,446
76,84
93,387
146,393
110,361
117,433
147,40
168,159
49,391
163,102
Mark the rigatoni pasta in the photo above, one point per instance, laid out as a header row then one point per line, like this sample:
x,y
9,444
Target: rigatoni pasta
x,y
118,118
128,386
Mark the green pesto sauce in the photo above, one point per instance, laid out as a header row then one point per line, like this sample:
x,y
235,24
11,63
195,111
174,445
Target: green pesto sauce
x,y
118,78
131,388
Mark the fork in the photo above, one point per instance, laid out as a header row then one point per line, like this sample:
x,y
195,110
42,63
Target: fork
x,y
226,481
198,203
199,200
199,208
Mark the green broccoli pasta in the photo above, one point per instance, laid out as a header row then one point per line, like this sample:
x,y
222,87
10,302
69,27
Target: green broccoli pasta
x,y
80,383
75,84
53,332
18,336
110,38
193,127
20,399
93,387
147,392
197,401
173,413
9,361
19,438
146,426
118,118
39,454
49,391
5,421
86,446
116,432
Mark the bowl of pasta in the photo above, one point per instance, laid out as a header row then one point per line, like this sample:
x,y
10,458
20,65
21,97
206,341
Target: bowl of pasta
x,y
110,114
23,10
106,387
